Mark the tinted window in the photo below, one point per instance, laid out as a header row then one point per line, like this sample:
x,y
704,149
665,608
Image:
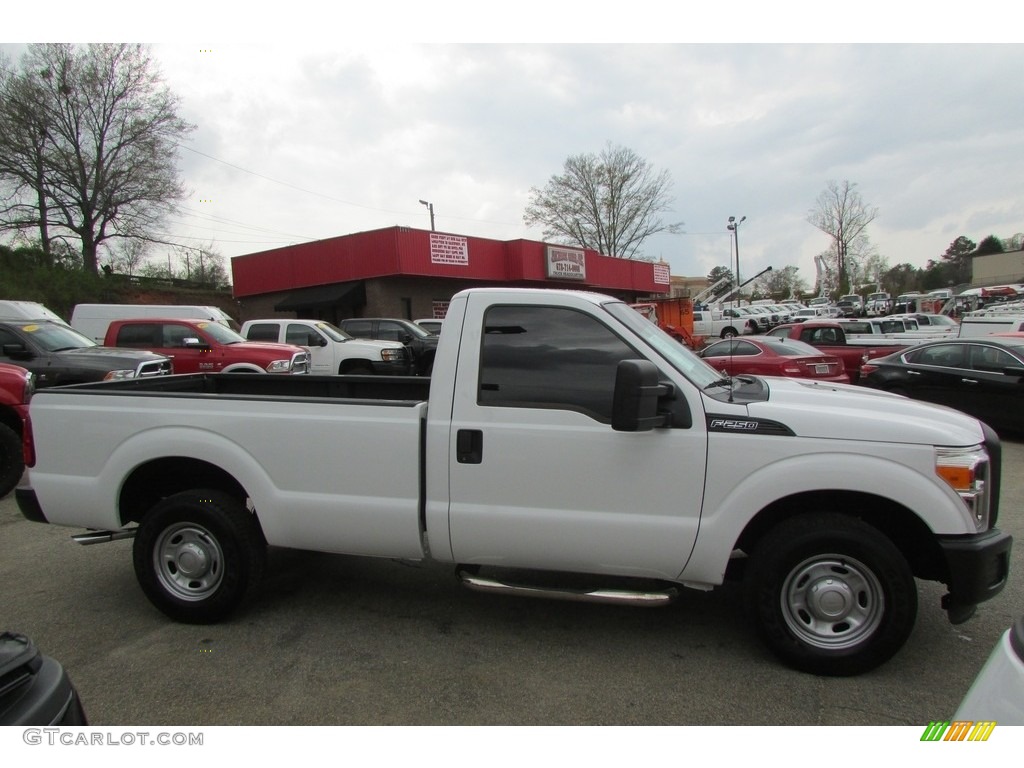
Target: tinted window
x,y
360,328
991,359
139,335
945,355
302,335
392,331
549,357
262,332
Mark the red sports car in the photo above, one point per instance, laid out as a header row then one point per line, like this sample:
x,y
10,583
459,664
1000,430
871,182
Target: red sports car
x,y
770,356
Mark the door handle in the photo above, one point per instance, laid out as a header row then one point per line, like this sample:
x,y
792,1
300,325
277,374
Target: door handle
x,y
469,446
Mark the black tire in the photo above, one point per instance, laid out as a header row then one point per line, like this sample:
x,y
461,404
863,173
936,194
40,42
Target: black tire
x,y
198,554
12,459
729,333
830,594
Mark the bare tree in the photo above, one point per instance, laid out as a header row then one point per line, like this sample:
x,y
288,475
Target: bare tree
x,y
89,140
608,202
842,215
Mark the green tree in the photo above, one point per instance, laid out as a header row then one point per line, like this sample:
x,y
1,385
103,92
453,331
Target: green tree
x,y
957,260
989,245
88,138
609,202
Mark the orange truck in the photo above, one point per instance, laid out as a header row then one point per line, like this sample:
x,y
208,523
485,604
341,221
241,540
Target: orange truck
x,y
674,316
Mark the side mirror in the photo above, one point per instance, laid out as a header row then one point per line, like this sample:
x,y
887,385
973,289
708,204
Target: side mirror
x,y
635,402
194,342
16,352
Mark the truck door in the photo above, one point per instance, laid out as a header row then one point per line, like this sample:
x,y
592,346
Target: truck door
x,y
538,477
321,352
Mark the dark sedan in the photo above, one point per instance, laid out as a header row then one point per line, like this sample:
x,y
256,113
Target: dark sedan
x,y
982,376
770,356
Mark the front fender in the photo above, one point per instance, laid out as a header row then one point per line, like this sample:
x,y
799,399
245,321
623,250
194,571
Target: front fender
x,y
732,503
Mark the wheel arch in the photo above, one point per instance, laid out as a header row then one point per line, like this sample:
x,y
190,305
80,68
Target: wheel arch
x,y
243,368
901,525
159,478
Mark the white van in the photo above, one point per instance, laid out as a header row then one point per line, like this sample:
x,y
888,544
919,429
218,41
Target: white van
x,y
28,310
93,319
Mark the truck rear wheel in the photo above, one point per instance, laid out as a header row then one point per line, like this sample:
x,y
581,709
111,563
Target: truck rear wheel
x,y
198,554
12,460
729,333
830,595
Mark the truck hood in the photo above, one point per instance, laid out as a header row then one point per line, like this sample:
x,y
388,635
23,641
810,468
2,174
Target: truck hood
x,y
103,356
823,410
374,344
271,349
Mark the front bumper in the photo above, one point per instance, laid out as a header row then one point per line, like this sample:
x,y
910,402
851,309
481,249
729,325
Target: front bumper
x,y
978,567
392,367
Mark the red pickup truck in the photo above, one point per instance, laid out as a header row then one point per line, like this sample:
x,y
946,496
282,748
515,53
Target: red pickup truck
x,y
829,337
198,346
16,386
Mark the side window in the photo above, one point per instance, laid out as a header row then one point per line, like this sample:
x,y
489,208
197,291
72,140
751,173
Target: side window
x,y
945,355
139,335
301,335
549,357
991,359
262,332
391,332
362,329
175,335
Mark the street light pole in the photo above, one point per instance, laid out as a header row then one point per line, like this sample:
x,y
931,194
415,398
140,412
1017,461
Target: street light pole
x,y
734,227
430,207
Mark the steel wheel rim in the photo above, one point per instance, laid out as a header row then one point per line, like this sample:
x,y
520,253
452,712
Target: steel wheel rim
x,y
189,562
832,602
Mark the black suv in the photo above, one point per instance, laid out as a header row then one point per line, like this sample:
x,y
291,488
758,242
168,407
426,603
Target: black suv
x,y
422,345
57,354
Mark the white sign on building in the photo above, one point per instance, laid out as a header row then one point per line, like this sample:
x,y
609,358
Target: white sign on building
x,y
566,263
449,249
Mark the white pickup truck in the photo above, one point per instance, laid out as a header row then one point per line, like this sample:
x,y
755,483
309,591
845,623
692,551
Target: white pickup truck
x,y
331,350
562,439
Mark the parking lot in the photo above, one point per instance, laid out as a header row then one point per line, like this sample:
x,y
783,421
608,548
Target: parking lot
x,y
335,640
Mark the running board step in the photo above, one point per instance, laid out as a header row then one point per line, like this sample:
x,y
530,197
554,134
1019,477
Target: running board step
x,y
102,537
471,579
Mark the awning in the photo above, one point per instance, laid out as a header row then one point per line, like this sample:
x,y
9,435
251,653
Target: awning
x,y
319,296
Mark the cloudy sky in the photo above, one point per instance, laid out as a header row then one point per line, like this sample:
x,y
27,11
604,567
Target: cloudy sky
x,y
297,141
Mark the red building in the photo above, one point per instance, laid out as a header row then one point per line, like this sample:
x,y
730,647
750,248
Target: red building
x,y
413,273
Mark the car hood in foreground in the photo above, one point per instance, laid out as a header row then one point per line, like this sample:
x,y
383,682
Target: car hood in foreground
x,y
812,409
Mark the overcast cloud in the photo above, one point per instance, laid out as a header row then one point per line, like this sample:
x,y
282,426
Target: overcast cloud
x,y
297,142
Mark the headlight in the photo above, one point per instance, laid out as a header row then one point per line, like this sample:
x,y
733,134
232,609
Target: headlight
x,y
279,366
965,470
126,373
30,386
392,355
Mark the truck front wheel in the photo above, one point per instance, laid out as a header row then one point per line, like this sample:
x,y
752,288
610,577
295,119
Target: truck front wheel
x,y
729,333
830,595
198,554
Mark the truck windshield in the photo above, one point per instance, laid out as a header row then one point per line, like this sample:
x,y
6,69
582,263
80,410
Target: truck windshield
x,y
333,332
55,337
678,356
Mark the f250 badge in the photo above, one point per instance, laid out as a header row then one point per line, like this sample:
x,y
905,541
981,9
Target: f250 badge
x,y
747,426
734,424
